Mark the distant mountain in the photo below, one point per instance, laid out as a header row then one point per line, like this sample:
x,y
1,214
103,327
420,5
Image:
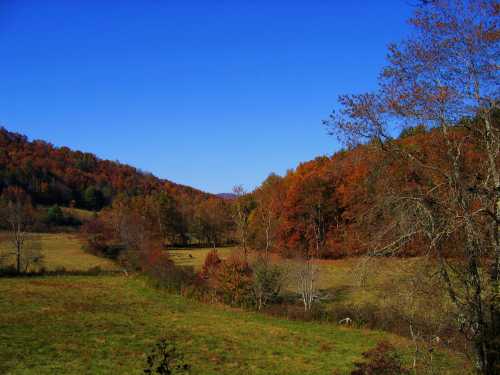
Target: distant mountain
x,y
226,196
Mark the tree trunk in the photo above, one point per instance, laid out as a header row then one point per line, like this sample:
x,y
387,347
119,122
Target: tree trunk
x,y
18,257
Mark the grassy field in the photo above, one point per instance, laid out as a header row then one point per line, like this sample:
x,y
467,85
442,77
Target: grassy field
x,y
196,257
79,213
386,298
339,277
63,250
107,324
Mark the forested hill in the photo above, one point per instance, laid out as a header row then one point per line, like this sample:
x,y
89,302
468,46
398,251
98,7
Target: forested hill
x,y
59,175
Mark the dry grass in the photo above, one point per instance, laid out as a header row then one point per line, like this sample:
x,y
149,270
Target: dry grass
x,y
79,213
196,257
62,251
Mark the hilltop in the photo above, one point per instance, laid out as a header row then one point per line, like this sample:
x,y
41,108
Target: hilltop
x,y
60,175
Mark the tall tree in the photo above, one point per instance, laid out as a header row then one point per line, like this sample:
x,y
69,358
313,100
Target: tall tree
x,y
172,224
265,217
243,205
445,76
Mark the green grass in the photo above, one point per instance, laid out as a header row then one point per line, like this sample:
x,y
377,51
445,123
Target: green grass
x,y
105,324
63,250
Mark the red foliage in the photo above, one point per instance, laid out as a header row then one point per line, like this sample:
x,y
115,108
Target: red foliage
x,y
210,265
231,279
382,360
342,195
58,175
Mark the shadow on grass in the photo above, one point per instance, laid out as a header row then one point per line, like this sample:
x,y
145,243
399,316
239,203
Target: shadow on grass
x,y
11,272
336,294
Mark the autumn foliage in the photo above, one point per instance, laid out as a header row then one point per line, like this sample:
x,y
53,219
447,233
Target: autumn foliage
x,y
381,360
59,175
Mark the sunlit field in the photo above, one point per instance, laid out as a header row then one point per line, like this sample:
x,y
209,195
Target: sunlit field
x,y
60,251
106,324
196,256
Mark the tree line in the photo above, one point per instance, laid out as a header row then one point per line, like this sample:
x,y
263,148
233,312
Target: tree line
x,y
58,175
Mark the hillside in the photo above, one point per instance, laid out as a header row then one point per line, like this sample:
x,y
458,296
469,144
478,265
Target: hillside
x,y
59,175
107,324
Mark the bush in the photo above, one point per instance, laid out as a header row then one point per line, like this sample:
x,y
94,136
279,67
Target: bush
x,y
382,360
234,281
165,359
9,270
210,265
165,274
96,270
55,215
267,283
293,311
97,234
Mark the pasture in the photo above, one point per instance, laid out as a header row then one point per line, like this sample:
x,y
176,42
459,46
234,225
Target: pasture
x,y
108,324
195,257
59,251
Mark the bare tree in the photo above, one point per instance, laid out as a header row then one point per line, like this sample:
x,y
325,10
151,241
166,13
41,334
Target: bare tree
x,y
362,270
17,214
243,208
269,197
307,277
413,293
445,76
266,217
268,220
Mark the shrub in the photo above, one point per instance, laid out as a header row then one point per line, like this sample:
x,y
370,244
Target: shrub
x,y
165,359
9,270
97,235
210,265
55,215
292,311
95,270
60,270
382,360
164,273
267,283
234,281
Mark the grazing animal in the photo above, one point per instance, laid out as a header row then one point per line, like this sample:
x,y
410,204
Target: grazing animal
x,y
347,321
436,339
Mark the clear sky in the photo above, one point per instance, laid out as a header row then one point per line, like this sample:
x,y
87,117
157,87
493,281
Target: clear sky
x,y
204,93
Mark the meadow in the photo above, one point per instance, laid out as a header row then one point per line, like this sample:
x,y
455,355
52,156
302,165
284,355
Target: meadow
x,y
195,257
61,251
107,325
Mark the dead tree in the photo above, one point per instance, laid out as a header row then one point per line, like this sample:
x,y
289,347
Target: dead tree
x,y
16,212
243,207
307,275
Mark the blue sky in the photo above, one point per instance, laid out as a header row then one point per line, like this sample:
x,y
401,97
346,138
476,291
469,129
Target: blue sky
x,y
204,93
